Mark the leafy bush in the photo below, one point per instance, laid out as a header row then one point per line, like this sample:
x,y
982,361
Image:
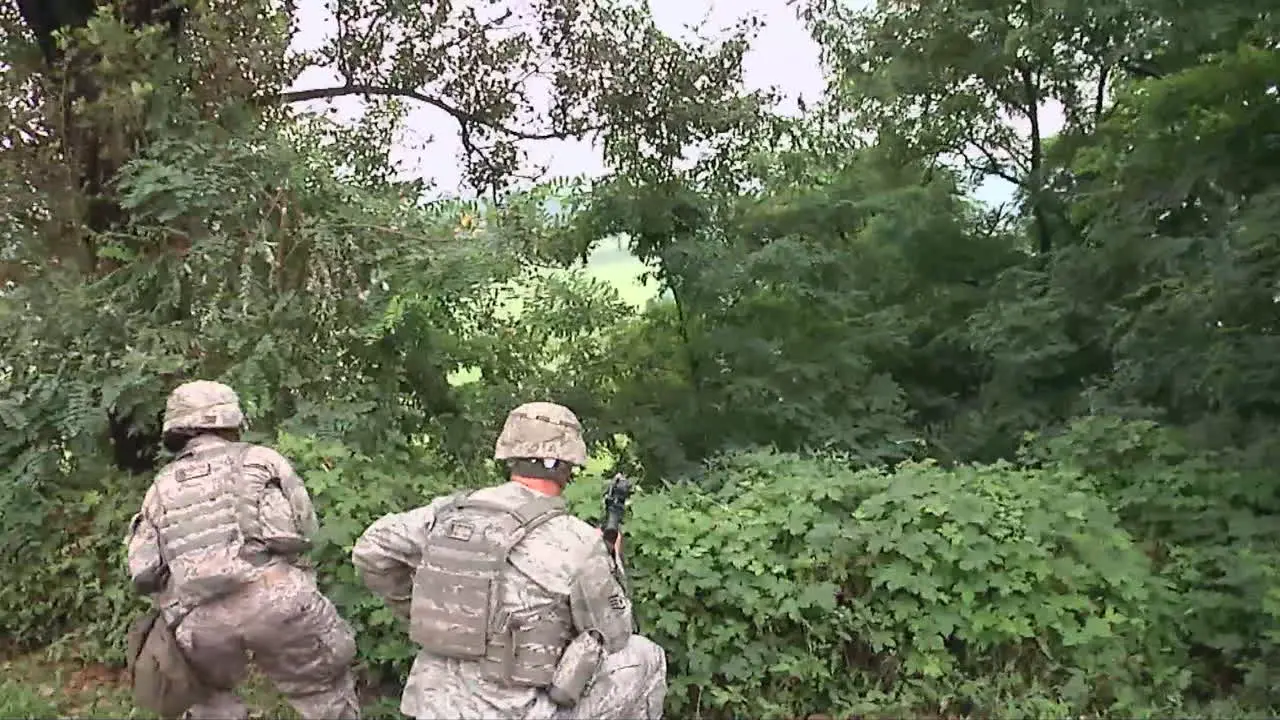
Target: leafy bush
x,y
1209,524
62,567
798,585
828,285
805,586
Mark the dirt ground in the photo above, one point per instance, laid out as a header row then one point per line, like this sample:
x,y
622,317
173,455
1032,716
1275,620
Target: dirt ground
x,y
38,685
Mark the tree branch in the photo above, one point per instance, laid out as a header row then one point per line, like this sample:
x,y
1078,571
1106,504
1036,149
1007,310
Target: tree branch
x,y
1100,94
1137,67
989,169
1031,86
993,166
459,114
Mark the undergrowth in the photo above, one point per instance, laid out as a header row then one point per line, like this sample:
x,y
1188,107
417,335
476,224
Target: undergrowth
x,y
801,585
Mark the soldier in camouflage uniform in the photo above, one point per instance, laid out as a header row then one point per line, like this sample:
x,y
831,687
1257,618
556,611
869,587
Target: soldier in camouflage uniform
x,y
517,606
218,546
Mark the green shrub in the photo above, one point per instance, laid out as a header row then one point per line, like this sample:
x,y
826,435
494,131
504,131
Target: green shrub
x,y
1209,522
62,575
797,586
803,586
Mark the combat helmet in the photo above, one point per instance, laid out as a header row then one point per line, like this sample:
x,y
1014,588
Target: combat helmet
x,y
203,405
542,431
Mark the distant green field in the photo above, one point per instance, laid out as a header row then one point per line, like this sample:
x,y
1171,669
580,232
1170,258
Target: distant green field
x,y
608,264
621,269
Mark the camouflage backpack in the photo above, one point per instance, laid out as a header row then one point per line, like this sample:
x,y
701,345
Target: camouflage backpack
x,y
163,681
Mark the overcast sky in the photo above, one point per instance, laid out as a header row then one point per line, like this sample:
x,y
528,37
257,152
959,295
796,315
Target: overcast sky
x,y
783,56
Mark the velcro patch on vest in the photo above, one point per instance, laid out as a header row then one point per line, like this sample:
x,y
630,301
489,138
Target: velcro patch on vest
x,y
191,472
617,601
460,531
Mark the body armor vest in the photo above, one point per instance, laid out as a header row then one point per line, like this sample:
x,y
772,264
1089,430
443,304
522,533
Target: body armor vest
x,y
469,603
200,535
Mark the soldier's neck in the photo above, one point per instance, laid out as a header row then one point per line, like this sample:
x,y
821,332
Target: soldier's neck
x,y
542,485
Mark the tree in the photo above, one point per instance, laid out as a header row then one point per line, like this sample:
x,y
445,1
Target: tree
x,y
975,81
191,133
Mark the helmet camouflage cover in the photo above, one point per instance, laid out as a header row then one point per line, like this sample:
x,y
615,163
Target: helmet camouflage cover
x,y
203,405
542,430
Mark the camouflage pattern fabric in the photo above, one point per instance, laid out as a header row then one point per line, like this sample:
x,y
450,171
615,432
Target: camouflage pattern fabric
x,y
297,638
219,536
632,683
203,405
463,563
561,568
219,505
275,611
540,430
282,521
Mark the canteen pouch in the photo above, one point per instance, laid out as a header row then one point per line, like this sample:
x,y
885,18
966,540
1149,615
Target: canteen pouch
x,y
577,668
162,679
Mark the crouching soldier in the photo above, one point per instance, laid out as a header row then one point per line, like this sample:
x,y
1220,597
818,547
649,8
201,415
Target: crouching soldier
x,y
514,603
218,547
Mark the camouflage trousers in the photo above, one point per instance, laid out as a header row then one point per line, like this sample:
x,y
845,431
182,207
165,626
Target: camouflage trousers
x,y
631,685
296,639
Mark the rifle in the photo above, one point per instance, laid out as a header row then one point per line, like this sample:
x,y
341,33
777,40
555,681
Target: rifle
x,y
615,507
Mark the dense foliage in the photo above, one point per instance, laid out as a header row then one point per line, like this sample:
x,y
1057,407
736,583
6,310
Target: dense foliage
x,y
900,452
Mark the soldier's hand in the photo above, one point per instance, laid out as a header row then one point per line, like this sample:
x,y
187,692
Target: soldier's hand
x,y
617,542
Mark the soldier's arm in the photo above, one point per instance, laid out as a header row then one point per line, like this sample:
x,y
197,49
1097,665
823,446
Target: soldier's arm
x,y
147,568
279,531
390,550
275,505
598,601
